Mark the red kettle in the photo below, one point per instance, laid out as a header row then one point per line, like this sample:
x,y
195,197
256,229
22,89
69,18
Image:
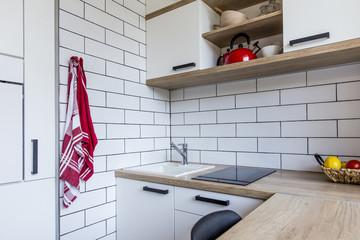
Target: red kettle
x,y
241,54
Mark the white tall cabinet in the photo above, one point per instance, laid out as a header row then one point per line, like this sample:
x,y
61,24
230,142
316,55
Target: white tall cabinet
x,y
27,93
39,87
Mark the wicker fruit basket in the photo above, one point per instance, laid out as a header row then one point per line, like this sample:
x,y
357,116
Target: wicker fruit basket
x,y
342,175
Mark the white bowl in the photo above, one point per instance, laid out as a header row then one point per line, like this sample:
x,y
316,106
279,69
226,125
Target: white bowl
x,y
270,50
230,17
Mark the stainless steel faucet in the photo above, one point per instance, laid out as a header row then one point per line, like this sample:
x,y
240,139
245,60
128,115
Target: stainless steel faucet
x,y
182,151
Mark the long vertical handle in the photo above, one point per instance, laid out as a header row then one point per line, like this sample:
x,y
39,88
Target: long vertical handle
x,y
35,156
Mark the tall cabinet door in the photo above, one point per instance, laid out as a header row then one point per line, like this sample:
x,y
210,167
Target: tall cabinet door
x,y
39,88
11,133
11,23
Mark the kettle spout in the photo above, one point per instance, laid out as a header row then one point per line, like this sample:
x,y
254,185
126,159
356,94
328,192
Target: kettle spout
x,y
256,46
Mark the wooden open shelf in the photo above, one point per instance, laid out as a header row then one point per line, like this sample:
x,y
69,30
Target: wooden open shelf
x,y
322,56
168,9
232,4
222,4
260,27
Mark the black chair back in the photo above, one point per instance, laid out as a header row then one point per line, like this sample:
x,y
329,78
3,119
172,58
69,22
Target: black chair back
x,y
211,226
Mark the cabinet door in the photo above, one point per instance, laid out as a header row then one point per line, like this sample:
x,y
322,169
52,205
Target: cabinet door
x,y
11,69
144,214
11,133
184,222
307,18
28,210
11,27
39,87
172,40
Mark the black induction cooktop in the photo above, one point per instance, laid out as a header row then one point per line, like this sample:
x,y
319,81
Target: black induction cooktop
x,y
236,175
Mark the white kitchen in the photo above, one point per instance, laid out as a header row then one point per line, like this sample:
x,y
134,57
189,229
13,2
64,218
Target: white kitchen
x,y
163,90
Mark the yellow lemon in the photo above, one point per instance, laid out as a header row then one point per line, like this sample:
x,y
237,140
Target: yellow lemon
x,y
343,164
332,162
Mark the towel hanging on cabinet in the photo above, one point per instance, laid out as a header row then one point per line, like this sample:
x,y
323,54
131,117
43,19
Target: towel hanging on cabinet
x,y
79,139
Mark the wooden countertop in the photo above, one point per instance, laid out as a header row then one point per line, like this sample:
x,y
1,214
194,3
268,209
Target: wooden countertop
x,y
282,181
286,216
300,205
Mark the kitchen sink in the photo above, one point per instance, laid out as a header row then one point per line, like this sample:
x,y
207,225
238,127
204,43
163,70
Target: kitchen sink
x,y
170,169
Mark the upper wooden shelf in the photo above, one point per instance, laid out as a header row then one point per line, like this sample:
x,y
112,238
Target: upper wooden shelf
x,y
232,4
260,27
222,4
322,56
168,9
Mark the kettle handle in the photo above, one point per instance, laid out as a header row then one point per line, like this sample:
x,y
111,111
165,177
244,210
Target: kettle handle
x,y
218,61
237,36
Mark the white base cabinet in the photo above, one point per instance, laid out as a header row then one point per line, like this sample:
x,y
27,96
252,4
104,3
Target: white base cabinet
x,y
144,210
184,222
174,39
308,18
192,204
168,212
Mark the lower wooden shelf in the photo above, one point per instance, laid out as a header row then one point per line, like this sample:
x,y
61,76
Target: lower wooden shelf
x,y
310,58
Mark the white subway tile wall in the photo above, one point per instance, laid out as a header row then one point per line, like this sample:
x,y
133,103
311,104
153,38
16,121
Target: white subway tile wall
x,y
131,120
275,122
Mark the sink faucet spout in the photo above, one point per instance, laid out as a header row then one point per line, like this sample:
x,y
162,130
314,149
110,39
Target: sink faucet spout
x,y
182,151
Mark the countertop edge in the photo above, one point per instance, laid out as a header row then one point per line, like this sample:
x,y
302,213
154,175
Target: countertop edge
x,y
197,184
311,184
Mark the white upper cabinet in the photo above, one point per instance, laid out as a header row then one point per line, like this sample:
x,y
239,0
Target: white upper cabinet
x,y
11,23
306,18
39,88
11,132
174,39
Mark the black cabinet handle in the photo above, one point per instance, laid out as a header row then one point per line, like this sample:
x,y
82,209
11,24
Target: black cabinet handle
x,y
184,66
211,200
310,38
155,190
35,156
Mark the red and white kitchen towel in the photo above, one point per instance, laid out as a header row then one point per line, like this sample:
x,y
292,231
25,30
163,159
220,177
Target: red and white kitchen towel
x,y
79,139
